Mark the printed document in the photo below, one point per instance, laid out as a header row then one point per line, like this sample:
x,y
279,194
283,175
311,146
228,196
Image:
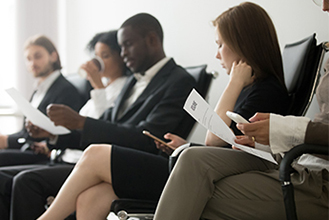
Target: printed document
x,y
34,115
201,111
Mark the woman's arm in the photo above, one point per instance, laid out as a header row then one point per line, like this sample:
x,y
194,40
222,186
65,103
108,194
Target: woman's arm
x,y
240,76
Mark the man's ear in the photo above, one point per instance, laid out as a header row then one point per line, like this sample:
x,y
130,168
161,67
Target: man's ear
x,y
53,57
152,39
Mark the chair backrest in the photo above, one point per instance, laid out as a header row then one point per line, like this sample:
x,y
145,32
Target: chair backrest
x,y
301,70
203,79
83,86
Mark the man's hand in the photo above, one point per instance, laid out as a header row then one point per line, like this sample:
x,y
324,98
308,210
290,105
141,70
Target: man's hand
x,y
40,148
3,141
175,142
36,132
258,130
65,116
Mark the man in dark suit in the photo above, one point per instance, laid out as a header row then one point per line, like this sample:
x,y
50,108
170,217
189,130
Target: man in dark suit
x,y
152,99
51,87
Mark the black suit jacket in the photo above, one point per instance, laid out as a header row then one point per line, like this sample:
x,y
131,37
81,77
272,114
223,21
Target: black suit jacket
x,y
159,109
60,92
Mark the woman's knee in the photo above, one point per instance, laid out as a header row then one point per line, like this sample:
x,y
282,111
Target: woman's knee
x,y
94,152
188,157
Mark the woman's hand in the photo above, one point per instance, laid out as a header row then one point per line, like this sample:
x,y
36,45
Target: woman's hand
x,y
241,73
175,142
258,129
244,140
93,75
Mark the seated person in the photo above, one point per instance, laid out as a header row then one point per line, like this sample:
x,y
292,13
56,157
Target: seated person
x,y
152,99
108,83
256,82
231,184
43,62
104,45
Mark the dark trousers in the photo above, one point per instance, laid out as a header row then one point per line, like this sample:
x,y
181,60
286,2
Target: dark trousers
x,y
13,157
29,187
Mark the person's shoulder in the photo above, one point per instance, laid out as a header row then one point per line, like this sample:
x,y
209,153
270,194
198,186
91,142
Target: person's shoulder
x,y
180,71
65,85
269,82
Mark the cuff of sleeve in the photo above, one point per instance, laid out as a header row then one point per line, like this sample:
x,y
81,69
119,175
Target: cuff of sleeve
x,y
53,141
286,132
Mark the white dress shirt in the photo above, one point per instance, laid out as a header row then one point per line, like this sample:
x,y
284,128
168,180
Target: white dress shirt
x,y
141,84
287,132
42,88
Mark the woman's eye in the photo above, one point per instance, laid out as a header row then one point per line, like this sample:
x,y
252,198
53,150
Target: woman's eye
x,y
105,56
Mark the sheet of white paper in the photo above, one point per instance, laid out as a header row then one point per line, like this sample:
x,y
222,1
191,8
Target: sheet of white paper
x,y
34,115
201,111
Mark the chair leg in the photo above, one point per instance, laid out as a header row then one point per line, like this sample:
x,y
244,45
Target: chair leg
x,y
289,200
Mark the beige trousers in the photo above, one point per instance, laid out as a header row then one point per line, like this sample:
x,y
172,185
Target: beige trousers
x,y
216,183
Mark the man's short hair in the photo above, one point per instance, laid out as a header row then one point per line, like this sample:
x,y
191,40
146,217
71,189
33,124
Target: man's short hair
x,y
144,23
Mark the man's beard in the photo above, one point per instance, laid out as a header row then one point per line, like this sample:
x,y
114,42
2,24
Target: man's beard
x,y
46,71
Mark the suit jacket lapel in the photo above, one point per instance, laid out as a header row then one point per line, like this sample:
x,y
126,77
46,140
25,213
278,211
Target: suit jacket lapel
x,y
154,84
123,96
50,94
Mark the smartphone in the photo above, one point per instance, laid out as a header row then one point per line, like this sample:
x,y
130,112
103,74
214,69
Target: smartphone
x,y
236,117
147,133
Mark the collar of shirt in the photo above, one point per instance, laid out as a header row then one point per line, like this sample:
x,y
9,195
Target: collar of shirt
x,y
150,73
44,85
42,88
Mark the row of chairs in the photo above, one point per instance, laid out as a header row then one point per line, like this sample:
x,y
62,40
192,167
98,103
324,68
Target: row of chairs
x,y
302,62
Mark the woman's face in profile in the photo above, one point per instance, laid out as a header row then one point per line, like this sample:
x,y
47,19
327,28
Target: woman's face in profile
x,y
225,55
112,60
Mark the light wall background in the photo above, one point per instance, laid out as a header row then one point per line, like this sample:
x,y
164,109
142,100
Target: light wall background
x,y
188,33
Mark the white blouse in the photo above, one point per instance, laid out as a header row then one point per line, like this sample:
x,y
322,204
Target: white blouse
x,y
102,99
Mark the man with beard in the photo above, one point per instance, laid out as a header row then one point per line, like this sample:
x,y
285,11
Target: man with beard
x,y
43,62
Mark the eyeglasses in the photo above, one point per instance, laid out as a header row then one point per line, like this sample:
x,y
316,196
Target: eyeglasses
x,y
319,2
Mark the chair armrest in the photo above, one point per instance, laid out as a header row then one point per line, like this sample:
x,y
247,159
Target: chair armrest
x,y
291,155
175,154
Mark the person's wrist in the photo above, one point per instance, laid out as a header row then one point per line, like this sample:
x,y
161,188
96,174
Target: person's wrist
x,y
3,141
236,83
81,122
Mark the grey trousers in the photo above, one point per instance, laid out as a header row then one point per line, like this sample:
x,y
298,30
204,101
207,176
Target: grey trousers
x,y
217,183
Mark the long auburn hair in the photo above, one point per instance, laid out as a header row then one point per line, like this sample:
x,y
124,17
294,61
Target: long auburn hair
x,y
248,30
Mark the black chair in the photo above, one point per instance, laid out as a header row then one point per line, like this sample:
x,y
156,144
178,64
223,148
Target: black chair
x,y
286,170
301,64
203,79
145,209
285,165
83,86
